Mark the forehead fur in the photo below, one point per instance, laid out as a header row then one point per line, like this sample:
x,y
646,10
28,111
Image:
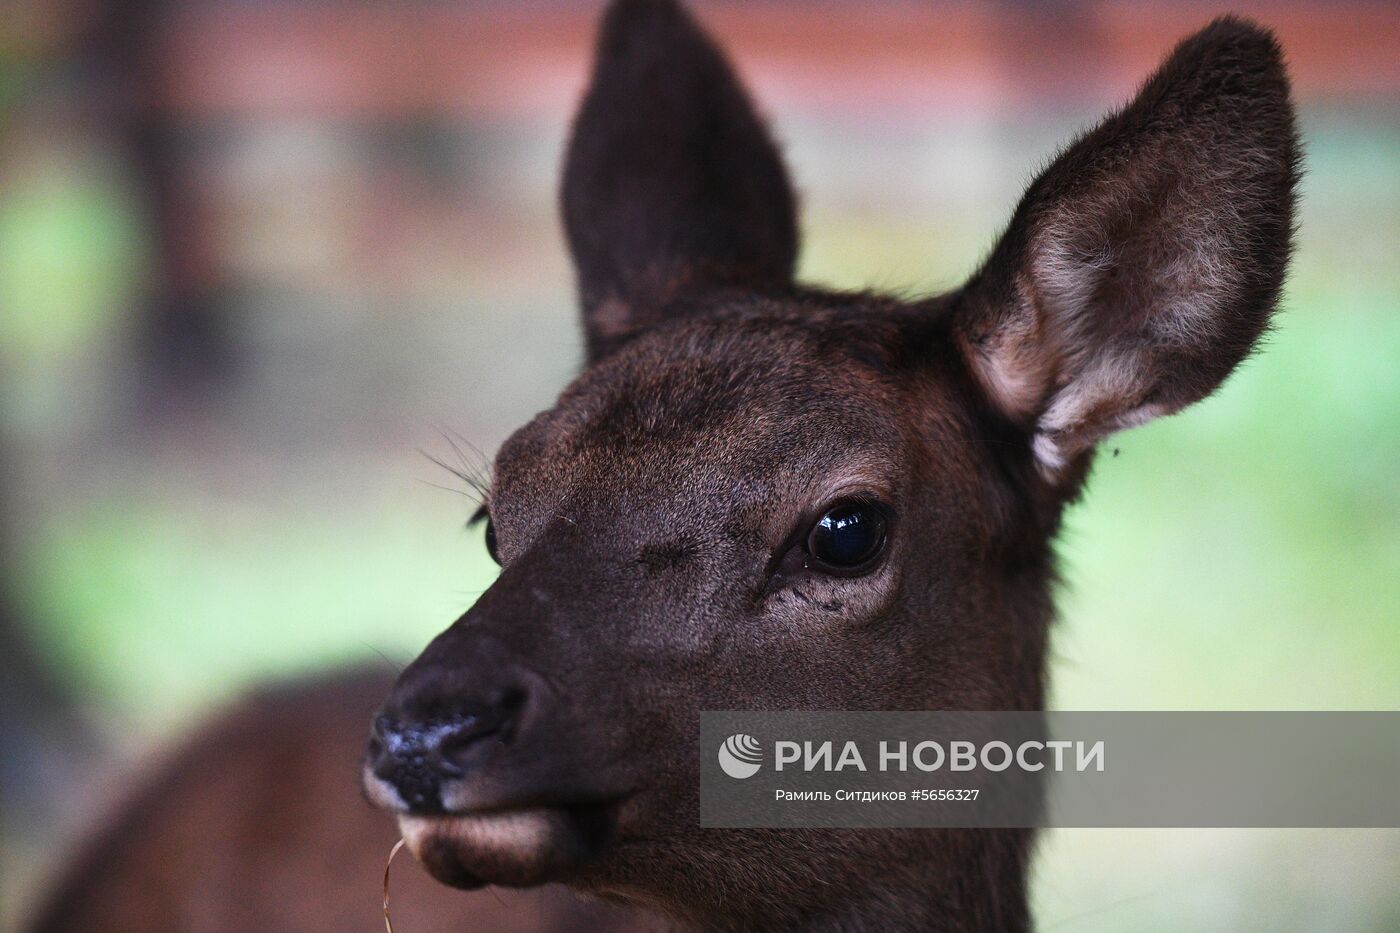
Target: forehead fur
x,y
752,362
744,389
738,372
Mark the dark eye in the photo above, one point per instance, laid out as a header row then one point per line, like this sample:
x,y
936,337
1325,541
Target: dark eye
x,y
849,536
491,541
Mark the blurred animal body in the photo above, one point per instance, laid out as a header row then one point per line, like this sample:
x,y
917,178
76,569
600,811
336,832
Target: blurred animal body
x,y
213,841
766,495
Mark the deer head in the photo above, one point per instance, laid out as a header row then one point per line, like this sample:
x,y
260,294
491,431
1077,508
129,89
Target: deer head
x,y
761,495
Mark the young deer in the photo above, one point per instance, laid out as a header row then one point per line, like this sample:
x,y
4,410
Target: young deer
x,y
762,495
759,495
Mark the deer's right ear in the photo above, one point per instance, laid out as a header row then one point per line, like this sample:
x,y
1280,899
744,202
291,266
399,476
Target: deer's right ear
x,y
671,182
1144,263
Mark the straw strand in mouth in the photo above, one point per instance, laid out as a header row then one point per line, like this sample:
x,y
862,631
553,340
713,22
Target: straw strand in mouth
x,y
389,924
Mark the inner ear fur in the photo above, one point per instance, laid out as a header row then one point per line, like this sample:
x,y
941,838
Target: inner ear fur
x,y
1143,264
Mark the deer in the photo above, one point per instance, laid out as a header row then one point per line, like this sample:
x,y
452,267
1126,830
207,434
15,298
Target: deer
x,y
764,495
761,494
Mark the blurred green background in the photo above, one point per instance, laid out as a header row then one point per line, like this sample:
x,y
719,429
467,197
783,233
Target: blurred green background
x,y
233,486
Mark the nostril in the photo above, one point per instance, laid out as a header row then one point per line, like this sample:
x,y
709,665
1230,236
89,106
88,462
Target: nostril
x,y
375,747
433,732
416,757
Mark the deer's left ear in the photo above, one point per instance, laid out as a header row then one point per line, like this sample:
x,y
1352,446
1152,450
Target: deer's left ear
x,y
671,182
1144,263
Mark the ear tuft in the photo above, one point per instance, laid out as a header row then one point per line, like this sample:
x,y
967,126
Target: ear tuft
x,y
671,182
1143,264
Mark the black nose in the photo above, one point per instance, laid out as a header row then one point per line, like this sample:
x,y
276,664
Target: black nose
x,y
416,754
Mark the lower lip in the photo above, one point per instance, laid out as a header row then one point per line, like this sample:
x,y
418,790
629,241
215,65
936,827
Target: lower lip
x,y
515,848
517,833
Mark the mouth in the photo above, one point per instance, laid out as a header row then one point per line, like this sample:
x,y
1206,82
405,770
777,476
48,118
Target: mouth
x,y
512,847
